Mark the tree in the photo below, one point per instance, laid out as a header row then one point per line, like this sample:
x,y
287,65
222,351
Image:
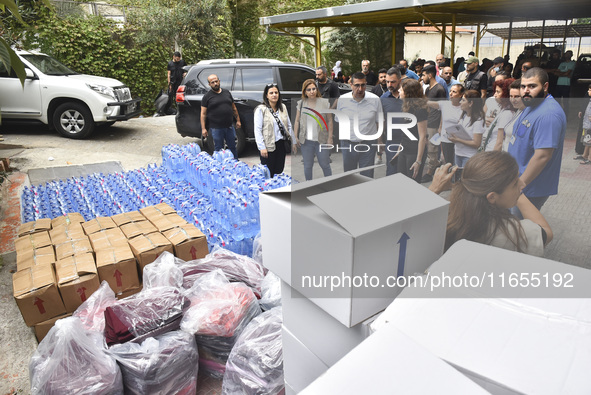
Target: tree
x,y
202,28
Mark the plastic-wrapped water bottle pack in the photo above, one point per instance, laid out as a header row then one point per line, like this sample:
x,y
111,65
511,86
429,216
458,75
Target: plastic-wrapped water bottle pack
x,y
218,194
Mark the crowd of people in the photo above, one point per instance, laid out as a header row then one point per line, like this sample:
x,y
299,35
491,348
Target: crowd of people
x,y
498,137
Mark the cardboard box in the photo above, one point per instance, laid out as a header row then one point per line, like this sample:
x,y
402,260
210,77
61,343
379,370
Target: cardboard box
x,y
133,229
32,241
67,219
351,227
118,267
98,223
390,362
43,328
107,238
77,279
157,210
36,294
509,339
43,224
37,256
66,232
166,222
188,242
300,366
321,333
146,248
72,247
125,218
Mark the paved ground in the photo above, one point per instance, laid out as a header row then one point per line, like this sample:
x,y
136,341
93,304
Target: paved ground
x,y
138,142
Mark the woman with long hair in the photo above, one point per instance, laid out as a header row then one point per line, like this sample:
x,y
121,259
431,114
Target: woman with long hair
x,y
480,203
271,127
494,135
312,141
411,160
472,122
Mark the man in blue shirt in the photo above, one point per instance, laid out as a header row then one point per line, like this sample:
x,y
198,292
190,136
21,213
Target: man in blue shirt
x,y
538,138
409,73
391,103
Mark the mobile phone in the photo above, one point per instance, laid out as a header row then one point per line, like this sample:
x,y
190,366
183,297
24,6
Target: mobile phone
x,y
457,175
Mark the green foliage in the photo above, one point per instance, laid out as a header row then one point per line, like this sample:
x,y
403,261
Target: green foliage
x,y
252,40
354,44
201,29
95,45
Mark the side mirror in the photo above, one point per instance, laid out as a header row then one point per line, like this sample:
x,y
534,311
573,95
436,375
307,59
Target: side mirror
x,y
30,74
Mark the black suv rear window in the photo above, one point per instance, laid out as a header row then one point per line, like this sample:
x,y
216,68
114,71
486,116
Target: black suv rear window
x,y
226,75
293,78
253,78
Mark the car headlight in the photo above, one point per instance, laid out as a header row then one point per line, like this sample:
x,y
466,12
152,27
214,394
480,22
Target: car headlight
x,y
103,90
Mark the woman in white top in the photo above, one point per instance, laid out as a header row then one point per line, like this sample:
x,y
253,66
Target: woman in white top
x,y
315,141
450,116
472,123
517,103
494,135
480,203
271,127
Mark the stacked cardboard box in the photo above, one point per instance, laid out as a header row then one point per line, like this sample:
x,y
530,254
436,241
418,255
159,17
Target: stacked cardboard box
x,y
61,262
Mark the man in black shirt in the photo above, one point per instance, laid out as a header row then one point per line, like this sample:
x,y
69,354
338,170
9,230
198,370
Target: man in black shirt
x,y
328,88
176,73
218,105
370,77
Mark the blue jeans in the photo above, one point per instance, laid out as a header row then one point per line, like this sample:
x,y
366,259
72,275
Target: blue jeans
x,y
310,149
221,134
359,154
461,161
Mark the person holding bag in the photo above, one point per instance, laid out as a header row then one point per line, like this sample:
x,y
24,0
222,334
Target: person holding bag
x,y
273,131
311,140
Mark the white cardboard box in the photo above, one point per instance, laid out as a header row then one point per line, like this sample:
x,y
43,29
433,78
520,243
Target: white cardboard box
x,y
389,362
508,345
300,365
321,333
349,227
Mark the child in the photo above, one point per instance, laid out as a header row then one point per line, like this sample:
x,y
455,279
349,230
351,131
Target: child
x,y
586,136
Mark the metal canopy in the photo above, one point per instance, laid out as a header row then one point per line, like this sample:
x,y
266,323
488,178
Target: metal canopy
x,y
467,12
535,32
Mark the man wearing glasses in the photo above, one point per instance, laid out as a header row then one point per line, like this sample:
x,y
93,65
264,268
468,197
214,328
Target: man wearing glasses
x,y
538,138
218,105
364,110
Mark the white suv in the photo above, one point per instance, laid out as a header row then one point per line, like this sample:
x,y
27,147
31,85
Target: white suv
x,y
71,103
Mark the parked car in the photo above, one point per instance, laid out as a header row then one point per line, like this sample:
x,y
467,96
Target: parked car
x,y
245,79
74,104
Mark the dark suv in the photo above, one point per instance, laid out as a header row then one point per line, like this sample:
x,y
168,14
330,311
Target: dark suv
x,y
245,79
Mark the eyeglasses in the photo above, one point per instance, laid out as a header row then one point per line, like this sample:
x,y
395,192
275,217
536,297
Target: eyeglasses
x,y
359,85
311,89
272,85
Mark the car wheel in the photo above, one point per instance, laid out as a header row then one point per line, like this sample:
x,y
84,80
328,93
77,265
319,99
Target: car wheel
x,y
73,120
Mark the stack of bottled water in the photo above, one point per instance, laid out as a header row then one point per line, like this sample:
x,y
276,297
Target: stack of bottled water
x,y
218,194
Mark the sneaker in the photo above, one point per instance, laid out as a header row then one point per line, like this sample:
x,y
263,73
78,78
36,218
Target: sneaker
x,y
427,178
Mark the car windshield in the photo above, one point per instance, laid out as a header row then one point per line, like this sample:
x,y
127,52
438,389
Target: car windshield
x,y
48,65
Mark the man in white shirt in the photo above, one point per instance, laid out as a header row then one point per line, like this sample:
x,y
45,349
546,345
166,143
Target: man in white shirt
x,y
364,109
